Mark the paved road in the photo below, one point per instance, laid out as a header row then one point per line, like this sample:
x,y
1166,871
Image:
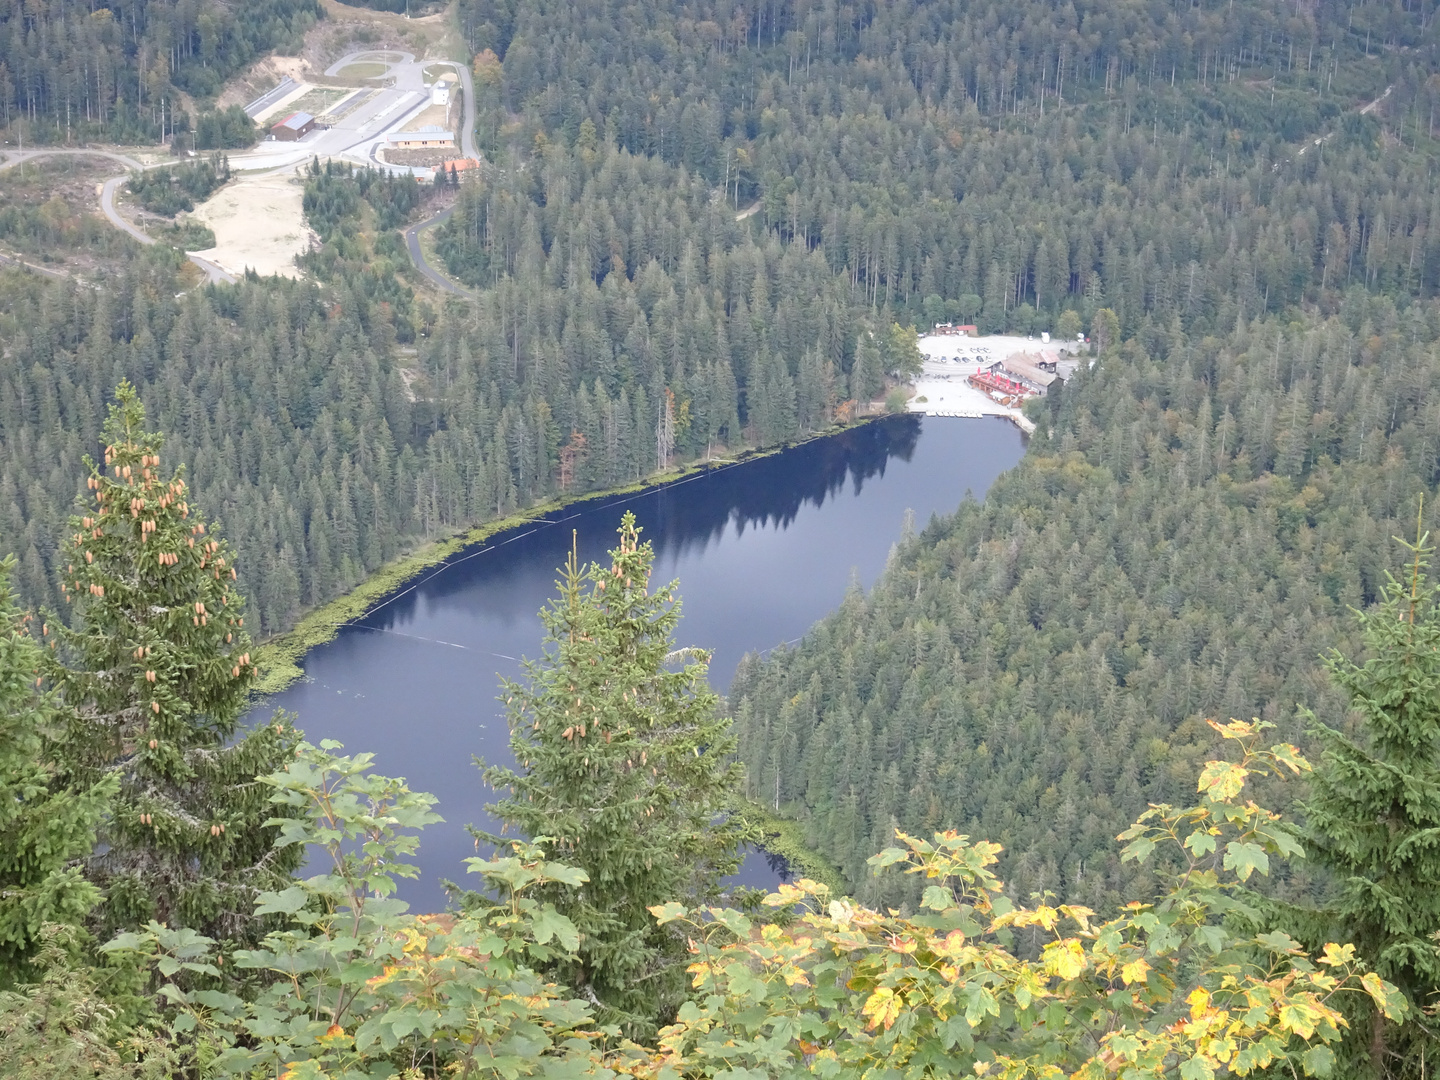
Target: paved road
x,y
373,56
265,100
410,75
107,198
107,207
412,241
467,127
354,136
16,157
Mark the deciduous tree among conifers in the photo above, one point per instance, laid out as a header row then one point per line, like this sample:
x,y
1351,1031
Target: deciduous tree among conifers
x,y
155,669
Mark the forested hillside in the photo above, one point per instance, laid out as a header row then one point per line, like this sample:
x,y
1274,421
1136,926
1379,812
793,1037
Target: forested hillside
x,y
690,224
334,425
72,72
1160,162
700,228
1184,542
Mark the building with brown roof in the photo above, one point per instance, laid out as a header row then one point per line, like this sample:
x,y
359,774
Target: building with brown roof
x,y
294,127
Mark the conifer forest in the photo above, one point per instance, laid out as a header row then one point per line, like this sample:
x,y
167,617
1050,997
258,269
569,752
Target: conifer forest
x,y
1127,769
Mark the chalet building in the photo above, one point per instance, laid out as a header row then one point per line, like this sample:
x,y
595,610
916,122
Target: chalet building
x,y
294,127
1036,374
994,382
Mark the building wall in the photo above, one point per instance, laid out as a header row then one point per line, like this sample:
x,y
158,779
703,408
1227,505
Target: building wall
x,y
288,134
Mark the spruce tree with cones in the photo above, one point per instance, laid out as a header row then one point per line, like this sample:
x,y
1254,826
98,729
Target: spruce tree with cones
x,y
154,670
627,764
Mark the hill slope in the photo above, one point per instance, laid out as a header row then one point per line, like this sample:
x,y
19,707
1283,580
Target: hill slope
x,y
1184,543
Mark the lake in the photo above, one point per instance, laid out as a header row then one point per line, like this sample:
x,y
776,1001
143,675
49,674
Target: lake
x,y
762,550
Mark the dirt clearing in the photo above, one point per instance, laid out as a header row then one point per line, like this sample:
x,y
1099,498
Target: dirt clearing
x,y
259,224
263,75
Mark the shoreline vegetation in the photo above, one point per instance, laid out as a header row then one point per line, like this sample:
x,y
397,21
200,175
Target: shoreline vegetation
x,y
279,657
785,837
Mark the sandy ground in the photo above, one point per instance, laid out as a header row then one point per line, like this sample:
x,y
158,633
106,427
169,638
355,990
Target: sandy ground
x,y
437,115
263,75
258,223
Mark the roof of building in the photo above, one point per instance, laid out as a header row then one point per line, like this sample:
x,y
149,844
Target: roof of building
x,y
296,120
1026,368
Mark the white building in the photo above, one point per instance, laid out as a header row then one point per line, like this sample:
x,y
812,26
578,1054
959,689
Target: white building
x,y
440,90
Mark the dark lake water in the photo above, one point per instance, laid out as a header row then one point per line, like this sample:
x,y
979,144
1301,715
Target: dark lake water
x,y
762,550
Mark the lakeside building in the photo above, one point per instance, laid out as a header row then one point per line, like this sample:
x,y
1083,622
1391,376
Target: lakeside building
x,y
1024,375
995,383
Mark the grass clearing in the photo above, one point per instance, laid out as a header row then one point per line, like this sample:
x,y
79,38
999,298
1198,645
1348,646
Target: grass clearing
x,y
317,100
363,70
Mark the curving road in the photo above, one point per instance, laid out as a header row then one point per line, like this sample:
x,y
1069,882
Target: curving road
x,y
107,198
411,96
469,150
412,241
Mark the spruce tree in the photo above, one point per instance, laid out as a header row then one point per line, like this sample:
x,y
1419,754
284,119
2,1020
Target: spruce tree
x,y
45,828
628,765
156,670
865,374
1373,816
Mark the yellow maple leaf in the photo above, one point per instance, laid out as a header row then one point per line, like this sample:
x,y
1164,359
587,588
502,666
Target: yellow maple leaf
x,y
882,1007
1064,959
1134,971
1222,779
1337,954
1199,1000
